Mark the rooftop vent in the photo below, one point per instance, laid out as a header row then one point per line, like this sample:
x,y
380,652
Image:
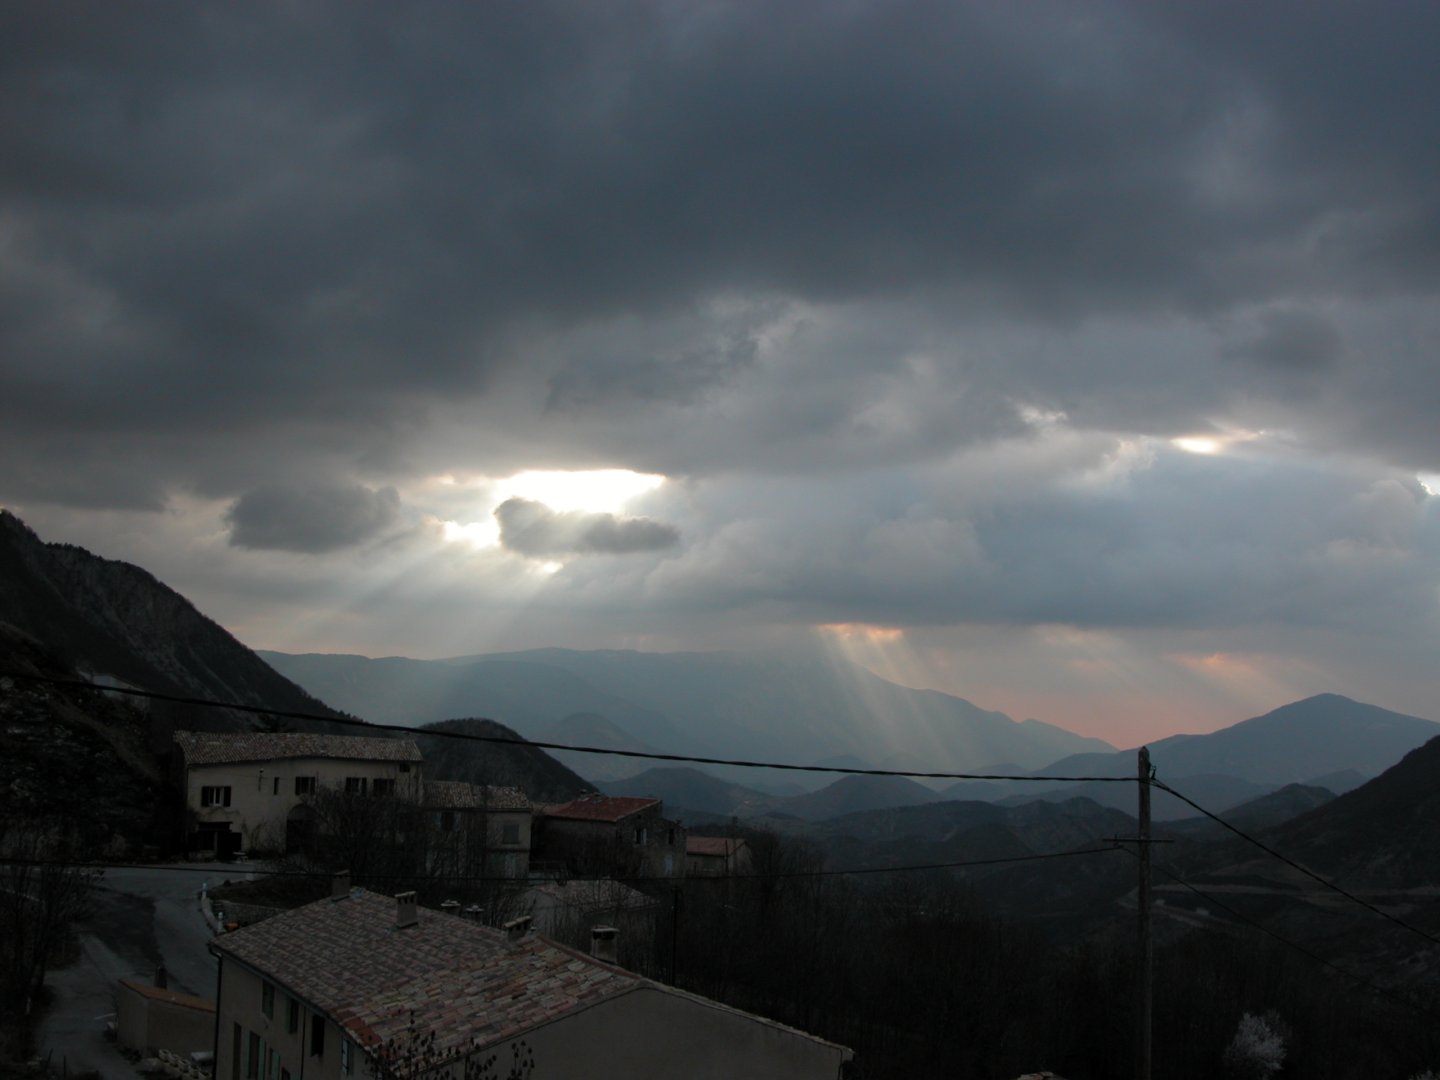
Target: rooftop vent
x,y
515,929
405,910
340,885
604,944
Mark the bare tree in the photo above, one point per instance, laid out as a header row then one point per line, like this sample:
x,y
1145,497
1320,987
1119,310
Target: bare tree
x,y
42,891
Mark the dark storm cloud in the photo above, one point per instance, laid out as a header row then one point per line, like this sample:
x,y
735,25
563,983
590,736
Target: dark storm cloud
x,y
294,230
1187,541
1293,341
532,528
313,519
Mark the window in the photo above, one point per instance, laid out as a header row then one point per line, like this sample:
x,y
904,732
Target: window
x,y
404,766
267,999
447,820
345,1056
510,833
215,796
292,1015
305,785
276,789
640,835
317,1036
235,1055
252,1058
356,785
382,786
670,837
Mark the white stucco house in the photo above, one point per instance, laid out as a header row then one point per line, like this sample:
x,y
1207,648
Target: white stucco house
x,y
247,790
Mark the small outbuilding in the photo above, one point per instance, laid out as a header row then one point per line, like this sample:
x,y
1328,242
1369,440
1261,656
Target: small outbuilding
x,y
153,1018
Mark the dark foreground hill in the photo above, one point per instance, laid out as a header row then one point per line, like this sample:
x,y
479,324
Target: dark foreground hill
x,y
74,757
111,618
1381,835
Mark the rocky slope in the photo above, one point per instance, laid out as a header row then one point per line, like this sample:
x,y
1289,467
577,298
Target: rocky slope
x,y
111,618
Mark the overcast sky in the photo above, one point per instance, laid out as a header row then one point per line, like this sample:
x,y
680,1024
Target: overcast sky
x,y
1079,359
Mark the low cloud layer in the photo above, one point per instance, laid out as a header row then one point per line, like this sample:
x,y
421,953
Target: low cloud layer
x,y
313,520
532,528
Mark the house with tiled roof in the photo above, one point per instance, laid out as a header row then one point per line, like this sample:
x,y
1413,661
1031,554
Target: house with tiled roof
x,y
622,835
716,856
480,829
332,989
247,790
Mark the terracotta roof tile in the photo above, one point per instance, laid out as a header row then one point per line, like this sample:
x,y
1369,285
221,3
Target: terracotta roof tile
x,y
211,748
467,983
599,807
462,980
174,997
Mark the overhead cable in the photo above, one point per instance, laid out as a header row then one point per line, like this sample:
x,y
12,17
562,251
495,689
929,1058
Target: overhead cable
x,y
81,684
1352,975
1297,866
254,874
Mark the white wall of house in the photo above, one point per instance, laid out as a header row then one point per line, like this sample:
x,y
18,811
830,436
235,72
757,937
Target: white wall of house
x,y
654,1034
261,794
277,1042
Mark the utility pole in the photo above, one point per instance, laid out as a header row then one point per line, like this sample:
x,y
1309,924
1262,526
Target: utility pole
x,y
1142,1033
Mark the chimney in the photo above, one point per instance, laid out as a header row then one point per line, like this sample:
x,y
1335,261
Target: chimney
x,y
603,943
450,907
340,885
515,929
405,914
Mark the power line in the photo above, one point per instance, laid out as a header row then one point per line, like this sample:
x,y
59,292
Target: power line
x,y
625,880
286,714
1292,863
1352,975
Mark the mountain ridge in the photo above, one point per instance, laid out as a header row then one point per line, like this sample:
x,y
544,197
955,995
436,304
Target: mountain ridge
x,y
794,708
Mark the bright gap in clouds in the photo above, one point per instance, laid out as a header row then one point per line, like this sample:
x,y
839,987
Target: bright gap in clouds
x,y
1198,444
595,491
1214,444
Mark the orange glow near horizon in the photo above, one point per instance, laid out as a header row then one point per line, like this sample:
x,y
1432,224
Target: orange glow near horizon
x,y
865,631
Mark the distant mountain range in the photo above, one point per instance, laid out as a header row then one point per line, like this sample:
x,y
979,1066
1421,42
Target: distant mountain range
x,y
1326,741
696,795
800,708
1334,729
1294,744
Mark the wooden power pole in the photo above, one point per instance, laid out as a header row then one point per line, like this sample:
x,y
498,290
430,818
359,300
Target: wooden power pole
x,y
1142,1033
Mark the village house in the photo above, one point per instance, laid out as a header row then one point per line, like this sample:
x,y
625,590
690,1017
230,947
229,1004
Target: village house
x,y
615,834
482,830
328,990
246,791
569,910
716,856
